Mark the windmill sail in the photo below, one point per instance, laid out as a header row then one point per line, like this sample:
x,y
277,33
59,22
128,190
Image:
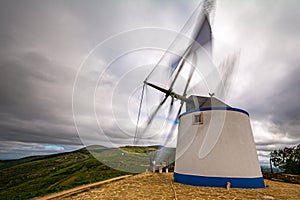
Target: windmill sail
x,y
215,145
186,36
199,29
202,37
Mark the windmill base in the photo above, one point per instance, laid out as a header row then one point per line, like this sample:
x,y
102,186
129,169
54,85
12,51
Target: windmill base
x,y
257,182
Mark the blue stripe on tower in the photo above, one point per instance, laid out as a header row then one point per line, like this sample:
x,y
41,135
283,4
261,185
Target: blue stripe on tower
x,y
219,181
215,108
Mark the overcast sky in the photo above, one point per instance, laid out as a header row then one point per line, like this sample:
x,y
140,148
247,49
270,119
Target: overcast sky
x,y
43,45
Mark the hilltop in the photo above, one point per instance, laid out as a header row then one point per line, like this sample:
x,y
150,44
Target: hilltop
x,y
162,186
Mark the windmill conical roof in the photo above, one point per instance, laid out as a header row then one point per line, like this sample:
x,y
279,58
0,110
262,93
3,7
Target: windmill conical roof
x,y
196,102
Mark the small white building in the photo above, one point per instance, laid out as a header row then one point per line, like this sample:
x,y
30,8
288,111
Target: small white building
x,y
215,146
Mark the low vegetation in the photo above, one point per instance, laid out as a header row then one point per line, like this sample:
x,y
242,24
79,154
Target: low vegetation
x,y
287,159
137,149
40,175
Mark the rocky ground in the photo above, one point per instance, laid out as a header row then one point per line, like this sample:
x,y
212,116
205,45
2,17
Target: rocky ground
x,y
161,186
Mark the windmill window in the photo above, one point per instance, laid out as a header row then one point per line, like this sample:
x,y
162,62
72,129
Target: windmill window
x,y
198,119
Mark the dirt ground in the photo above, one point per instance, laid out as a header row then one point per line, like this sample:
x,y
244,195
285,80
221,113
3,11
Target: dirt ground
x,y
161,186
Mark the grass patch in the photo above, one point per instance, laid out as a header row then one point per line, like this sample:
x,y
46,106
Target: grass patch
x,y
37,176
41,175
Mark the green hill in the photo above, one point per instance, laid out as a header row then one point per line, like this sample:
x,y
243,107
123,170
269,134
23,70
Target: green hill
x,y
40,175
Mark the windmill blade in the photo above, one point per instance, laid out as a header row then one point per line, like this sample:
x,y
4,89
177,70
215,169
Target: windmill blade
x,y
227,69
180,66
170,134
153,114
192,70
177,116
156,110
139,115
174,125
180,43
202,38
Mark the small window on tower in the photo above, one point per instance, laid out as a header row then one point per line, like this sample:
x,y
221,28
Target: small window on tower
x,y
198,119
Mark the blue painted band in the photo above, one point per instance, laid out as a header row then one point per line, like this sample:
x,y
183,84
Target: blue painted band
x,y
215,108
219,181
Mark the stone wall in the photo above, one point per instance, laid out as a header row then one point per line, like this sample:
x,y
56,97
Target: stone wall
x,y
289,178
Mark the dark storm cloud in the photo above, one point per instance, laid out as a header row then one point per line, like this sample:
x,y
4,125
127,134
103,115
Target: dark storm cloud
x,y
30,87
27,82
42,44
35,84
286,104
267,86
280,105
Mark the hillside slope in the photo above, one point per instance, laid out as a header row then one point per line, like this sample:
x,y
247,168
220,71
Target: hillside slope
x,y
39,175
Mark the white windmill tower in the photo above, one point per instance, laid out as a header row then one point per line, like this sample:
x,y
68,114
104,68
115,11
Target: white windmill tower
x,y
216,154
215,144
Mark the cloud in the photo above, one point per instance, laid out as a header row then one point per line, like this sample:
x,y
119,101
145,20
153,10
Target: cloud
x,y
42,45
13,149
266,34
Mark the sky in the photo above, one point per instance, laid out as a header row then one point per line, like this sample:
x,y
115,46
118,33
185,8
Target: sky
x,y
48,47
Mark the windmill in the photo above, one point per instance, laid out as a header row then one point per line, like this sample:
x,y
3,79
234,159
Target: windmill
x,y
215,145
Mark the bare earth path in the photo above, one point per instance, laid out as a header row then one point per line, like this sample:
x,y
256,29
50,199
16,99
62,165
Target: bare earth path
x,y
161,186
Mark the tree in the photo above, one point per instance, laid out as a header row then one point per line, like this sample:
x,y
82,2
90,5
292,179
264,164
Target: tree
x,y
287,159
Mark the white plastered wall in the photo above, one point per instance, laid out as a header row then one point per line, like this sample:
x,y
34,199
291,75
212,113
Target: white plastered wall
x,y
229,150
